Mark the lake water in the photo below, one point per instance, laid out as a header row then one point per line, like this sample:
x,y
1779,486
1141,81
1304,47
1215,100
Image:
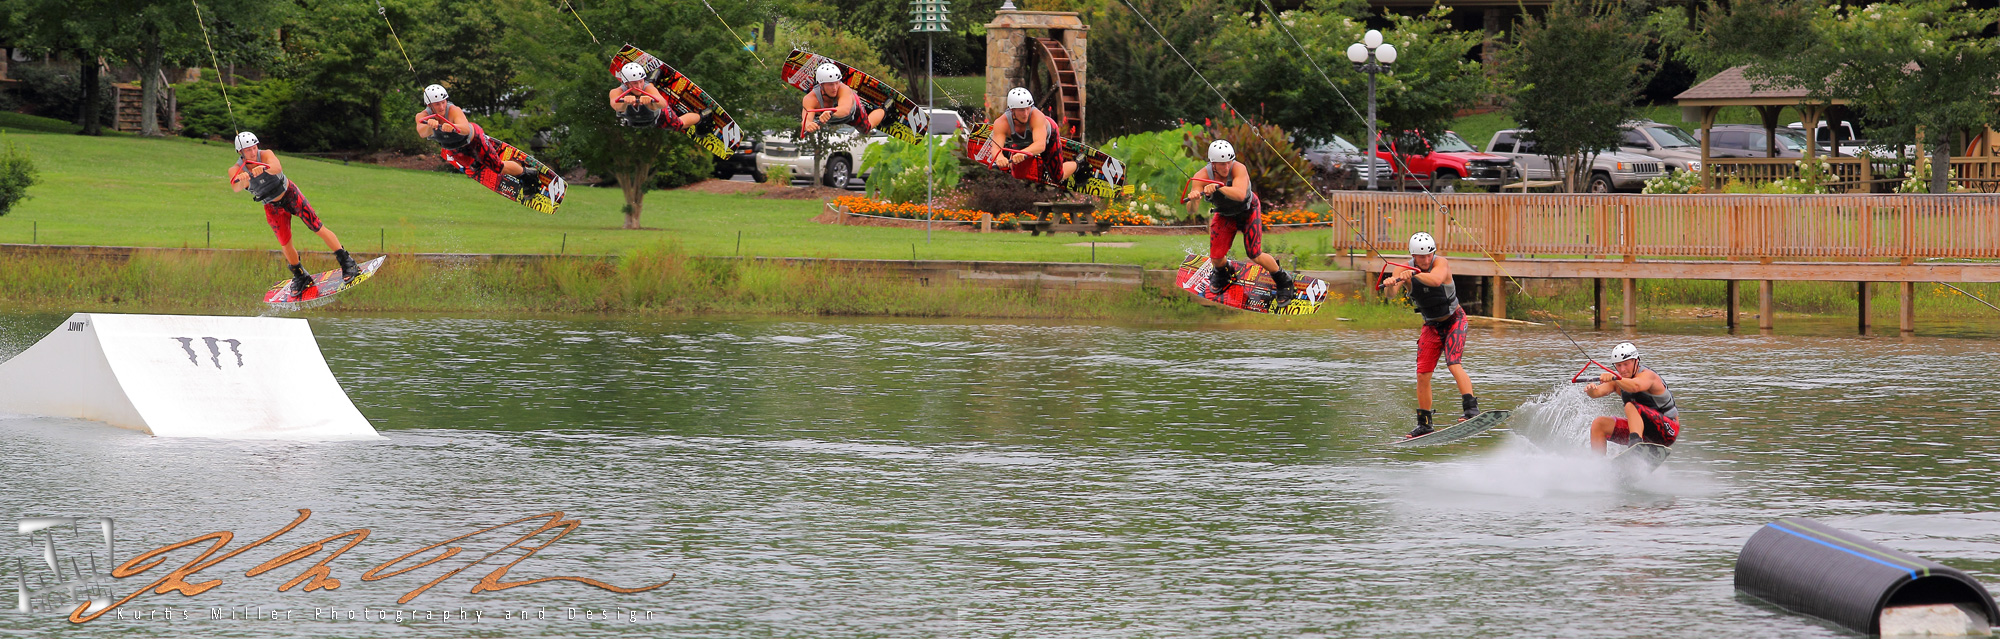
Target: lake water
x,y
877,478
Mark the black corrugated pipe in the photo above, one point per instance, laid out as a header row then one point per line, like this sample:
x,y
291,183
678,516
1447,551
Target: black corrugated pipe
x,y
1813,569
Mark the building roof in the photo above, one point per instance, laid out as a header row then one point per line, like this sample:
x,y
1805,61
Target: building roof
x,y
1730,88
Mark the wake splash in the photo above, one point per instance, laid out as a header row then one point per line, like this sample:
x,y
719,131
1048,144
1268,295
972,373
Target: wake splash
x,y
1547,455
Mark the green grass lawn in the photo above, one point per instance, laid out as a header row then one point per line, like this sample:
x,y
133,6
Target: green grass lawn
x,y
130,191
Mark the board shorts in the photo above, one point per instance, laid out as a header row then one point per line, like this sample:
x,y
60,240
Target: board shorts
x,y
1445,337
1664,430
476,154
278,213
1222,230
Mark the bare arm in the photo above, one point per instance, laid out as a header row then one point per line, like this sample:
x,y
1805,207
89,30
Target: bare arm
x,y
238,178
271,162
1439,275
1038,128
459,123
847,104
1607,383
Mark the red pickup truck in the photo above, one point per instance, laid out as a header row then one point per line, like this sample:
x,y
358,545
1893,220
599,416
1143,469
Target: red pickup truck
x,y
1442,162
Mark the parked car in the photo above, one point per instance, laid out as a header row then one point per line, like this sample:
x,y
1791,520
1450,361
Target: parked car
x,y
1747,141
846,149
1850,145
1340,162
1672,146
1442,162
742,161
1610,170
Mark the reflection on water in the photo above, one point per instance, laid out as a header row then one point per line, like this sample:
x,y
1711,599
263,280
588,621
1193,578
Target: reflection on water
x,y
884,479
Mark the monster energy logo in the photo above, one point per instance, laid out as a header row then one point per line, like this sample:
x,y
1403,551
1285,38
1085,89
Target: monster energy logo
x,y
214,350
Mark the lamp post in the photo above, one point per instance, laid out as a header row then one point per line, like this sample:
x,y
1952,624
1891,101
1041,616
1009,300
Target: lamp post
x,y
1370,56
928,17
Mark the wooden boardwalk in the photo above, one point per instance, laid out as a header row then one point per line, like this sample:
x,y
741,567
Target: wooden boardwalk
x,y
1764,238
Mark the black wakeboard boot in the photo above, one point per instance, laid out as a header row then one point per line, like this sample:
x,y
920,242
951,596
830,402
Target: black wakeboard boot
x,y
1221,277
1423,425
531,181
1284,289
1471,404
348,269
300,281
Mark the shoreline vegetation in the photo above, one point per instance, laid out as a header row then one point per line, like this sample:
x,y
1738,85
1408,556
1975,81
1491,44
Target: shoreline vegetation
x,y
664,281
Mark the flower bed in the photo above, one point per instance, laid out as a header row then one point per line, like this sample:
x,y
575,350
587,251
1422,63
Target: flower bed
x,y
865,206
1119,216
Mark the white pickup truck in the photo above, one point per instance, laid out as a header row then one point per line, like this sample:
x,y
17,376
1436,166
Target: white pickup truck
x,y
1609,170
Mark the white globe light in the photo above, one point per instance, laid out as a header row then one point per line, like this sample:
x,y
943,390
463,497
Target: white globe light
x,y
1357,53
1387,54
1373,38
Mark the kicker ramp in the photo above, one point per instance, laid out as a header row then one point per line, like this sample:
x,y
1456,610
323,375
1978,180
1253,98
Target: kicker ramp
x,y
1814,569
184,376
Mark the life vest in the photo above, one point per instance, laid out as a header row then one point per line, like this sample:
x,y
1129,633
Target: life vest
x,y
1436,303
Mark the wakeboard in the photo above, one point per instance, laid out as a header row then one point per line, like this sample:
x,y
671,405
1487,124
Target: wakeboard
x,y
716,132
1096,173
1478,424
906,120
1640,460
550,187
325,286
1252,289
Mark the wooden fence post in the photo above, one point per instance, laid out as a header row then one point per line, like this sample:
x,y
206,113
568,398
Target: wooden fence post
x,y
1908,316
1597,305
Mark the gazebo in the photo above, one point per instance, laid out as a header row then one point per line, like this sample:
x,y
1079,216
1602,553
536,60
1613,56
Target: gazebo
x,y
1729,88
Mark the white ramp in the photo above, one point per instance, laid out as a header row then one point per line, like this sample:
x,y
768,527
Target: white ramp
x,y
184,376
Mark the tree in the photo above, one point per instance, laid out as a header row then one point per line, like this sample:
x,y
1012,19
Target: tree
x,y
1434,76
1571,78
571,75
1432,81
1922,70
84,29
160,30
1136,82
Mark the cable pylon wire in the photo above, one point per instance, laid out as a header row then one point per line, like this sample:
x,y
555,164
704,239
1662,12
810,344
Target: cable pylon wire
x,y
732,33
212,59
579,21
1253,129
384,12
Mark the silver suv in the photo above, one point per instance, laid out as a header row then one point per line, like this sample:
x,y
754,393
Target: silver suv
x,y
1678,150
1609,170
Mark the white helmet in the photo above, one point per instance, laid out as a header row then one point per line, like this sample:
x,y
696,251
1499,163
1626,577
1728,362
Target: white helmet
x,y
1020,98
245,140
632,72
826,73
1423,244
1221,151
434,94
1624,353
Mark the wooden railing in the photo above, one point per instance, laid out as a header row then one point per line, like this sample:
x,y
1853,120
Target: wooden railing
x,y
1980,174
1845,227
1853,175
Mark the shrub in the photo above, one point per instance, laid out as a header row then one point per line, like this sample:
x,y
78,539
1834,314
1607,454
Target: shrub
x,y
57,93
259,107
17,173
1675,183
995,192
899,168
1157,166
